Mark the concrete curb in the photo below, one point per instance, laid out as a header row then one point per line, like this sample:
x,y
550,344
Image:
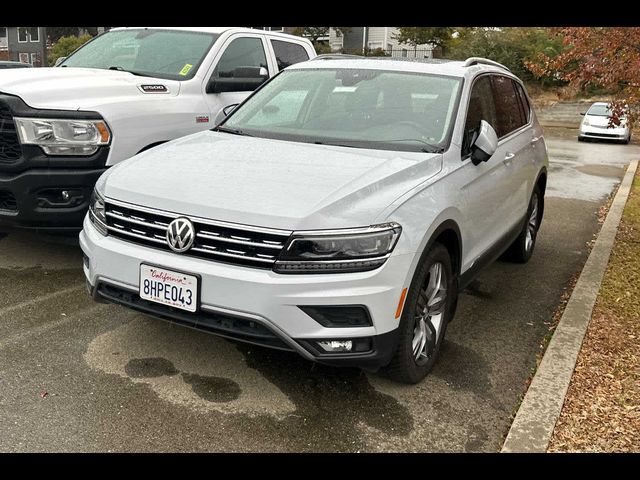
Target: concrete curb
x,y
533,426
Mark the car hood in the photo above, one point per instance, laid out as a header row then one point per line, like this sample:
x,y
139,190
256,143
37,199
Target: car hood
x,y
601,121
77,88
270,183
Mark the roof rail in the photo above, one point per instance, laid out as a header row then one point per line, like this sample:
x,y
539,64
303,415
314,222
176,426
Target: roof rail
x,y
335,56
483,61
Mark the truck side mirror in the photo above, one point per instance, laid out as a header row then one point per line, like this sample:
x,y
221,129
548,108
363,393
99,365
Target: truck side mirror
x,y
241,79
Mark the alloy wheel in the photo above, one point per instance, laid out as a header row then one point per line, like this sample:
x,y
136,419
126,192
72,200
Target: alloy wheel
x,y
532,225
429,316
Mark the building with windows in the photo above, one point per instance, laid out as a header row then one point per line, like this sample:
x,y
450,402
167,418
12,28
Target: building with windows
x,y
24,44
360,39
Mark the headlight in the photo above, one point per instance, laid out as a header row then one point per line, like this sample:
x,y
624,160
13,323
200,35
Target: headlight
x,y
63,137
97,213
337,251
585,122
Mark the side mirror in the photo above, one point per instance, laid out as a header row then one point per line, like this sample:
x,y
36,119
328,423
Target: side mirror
x,y
242,79
59,60
583,113
229,108
485,145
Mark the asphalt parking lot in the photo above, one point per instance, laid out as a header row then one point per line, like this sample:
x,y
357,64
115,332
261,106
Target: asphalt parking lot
x,y
78,376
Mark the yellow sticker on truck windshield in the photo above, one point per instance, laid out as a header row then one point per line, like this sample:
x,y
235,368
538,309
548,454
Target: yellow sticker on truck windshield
x,y
186,69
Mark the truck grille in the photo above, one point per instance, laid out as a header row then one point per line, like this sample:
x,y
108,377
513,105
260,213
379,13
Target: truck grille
x,y
217,241
10,150
8,201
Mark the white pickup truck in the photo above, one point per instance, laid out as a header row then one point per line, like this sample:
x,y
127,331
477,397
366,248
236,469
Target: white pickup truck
x,y
124,92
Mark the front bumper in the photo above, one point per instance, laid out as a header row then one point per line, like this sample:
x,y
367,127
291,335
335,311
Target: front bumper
x,y
255,305
603,133
33,198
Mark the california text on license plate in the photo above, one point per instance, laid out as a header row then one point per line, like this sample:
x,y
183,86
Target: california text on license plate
x,y
170,288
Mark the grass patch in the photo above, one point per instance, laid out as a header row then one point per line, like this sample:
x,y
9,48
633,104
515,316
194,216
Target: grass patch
x,y
601,412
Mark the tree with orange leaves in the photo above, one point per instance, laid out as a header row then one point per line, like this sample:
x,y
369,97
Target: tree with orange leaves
x,y
607,57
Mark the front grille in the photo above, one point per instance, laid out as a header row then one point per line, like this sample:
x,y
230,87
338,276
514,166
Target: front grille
x,y
10,150
607,135
8,201
217,241
227,326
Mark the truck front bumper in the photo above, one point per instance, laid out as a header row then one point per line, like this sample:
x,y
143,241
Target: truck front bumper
x,y
48,199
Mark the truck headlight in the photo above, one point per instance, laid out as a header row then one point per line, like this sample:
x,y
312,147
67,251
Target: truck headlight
x,y
63,136
97,213
338,251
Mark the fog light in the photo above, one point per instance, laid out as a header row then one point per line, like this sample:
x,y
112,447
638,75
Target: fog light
x,y
335,346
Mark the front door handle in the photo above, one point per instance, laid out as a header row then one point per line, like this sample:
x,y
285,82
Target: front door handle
x,y
508,158
535,139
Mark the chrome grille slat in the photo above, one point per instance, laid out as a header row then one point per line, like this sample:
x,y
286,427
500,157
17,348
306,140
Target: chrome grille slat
x,y
121,216
230,255
215,241
219,238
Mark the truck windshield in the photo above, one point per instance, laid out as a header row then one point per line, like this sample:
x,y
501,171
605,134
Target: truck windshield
x,y
360,108
169,54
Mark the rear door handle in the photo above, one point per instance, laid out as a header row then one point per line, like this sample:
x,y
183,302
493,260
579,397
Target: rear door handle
x,y
508,158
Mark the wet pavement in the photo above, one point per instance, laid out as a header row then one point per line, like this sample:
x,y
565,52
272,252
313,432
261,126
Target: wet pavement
x,y
78,376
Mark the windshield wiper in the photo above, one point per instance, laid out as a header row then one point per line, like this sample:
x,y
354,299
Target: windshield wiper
x,y
232,131
132,72
426,147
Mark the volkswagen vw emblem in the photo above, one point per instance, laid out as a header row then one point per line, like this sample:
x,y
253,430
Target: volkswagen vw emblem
x,y
181,235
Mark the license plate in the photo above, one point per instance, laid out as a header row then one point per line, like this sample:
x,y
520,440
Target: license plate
x,y
170,288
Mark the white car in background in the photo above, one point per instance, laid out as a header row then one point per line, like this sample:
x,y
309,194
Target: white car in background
x,y
595,125
335,213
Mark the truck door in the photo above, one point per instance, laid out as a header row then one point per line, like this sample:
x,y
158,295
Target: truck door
x,y
242,66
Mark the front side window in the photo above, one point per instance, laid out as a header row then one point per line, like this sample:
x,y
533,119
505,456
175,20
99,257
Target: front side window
x,y
359,108
481,107
169,54
288,53
510,116
245,52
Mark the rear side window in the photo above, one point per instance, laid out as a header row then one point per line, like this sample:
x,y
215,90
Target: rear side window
x,y
481,107
524,102
288,53
510,115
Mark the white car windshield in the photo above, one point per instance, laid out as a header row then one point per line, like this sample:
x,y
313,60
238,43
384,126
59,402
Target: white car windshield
x,y
599,111
169,54
361,108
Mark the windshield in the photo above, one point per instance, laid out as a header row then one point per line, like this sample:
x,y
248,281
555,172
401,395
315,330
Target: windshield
x,y
352,107
170,54
599,111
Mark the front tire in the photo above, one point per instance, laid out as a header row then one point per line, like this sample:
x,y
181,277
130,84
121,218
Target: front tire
x,y
521,250
428,309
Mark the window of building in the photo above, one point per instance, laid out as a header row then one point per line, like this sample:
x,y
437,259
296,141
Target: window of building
x,y
23,57
35,60
288,53
28,34
3,32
